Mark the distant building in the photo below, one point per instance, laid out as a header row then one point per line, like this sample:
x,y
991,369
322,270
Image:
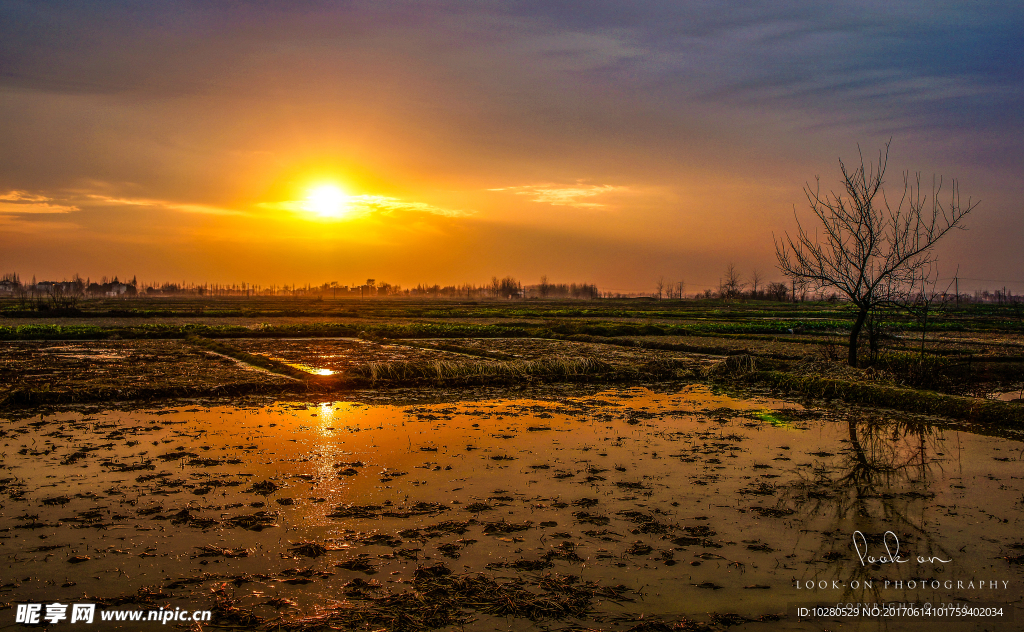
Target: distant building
x,y
113,289
119,289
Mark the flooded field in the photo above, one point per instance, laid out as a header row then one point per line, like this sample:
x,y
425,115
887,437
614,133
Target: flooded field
x,y
555,508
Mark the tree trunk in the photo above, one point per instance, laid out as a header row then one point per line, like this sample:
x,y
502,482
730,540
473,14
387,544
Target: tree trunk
x,y
873,335
855,335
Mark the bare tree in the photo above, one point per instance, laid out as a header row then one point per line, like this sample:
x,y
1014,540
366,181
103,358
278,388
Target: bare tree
x,y
508,287
872,251
659,286
777,291
731,286
756,278
921,304
63,295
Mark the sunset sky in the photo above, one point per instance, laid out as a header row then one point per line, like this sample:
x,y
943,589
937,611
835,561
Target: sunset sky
x,y
445,142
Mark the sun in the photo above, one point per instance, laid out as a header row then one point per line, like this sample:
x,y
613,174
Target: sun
x,y
327,200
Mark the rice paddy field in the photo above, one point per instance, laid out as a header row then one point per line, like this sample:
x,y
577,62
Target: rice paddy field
x,y
615,466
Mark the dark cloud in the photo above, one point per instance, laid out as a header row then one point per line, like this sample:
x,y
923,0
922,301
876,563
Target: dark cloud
x,y
945,63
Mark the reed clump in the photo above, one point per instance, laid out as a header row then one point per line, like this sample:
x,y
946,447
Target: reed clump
x,y
551,369
734,365
471,372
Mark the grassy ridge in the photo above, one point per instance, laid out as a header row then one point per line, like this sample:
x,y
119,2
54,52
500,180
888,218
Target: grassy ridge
x,y
398,331
910,400
697,316
439,307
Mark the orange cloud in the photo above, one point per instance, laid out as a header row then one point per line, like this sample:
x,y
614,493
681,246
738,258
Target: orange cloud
x,y
201,209
21,202
560,195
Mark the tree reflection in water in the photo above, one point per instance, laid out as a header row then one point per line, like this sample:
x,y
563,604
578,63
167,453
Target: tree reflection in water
x,y
880,482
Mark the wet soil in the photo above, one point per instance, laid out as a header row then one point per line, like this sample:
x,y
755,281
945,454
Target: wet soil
x,y
121,369
578,508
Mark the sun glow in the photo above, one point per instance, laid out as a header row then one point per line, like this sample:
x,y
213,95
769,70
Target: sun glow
x,y
327,201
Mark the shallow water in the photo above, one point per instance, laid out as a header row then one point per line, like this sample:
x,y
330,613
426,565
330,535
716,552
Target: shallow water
x,y
700,504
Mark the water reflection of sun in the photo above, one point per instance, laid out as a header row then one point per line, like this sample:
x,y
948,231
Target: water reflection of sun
x,y
326,414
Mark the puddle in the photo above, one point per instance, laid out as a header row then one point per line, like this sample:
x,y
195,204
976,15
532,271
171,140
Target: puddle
x,y
312,370
688,504
81,352
1016,395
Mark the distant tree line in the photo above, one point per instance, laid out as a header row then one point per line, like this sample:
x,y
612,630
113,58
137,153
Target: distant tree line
x,y
47,295
66,294
43,295
563,290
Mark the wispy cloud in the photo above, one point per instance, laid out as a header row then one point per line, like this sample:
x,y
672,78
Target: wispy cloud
x,y
23,203
577,195
201,209
364,205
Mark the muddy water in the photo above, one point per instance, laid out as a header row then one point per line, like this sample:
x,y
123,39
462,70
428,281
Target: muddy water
x,y
704,506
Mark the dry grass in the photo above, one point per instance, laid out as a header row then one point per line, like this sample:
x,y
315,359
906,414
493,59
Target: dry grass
x,y
553,369
447,371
